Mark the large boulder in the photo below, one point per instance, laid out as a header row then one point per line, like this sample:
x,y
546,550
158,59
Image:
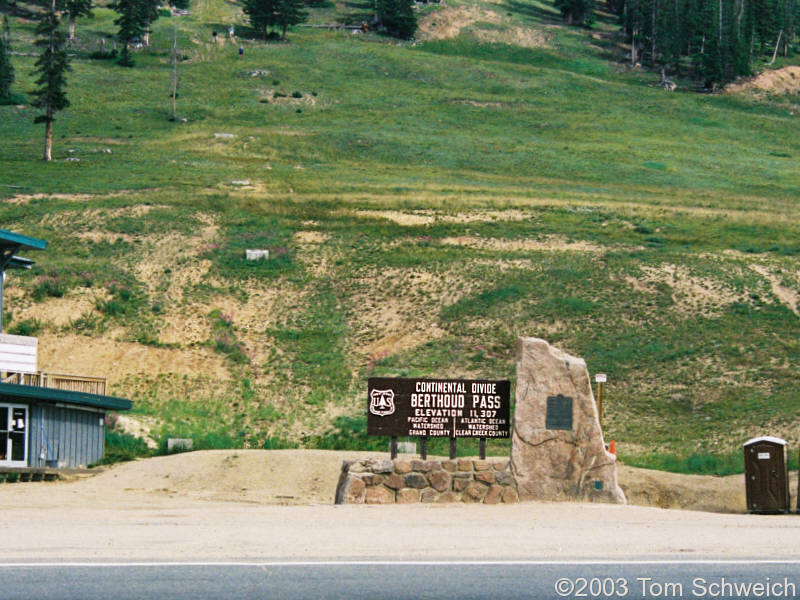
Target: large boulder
x,y
552,458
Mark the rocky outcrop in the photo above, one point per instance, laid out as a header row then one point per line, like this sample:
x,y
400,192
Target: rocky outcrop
x,y
404,481
560,456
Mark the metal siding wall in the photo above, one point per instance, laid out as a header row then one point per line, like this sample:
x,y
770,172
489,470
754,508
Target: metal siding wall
x,y
75,437
76,427
51,431
34,435
97,437
102,437
63,437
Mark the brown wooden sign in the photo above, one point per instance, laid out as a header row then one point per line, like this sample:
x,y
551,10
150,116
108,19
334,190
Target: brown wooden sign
x,y
438,407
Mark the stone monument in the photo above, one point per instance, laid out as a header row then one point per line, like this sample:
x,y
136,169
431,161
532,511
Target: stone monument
x,y
557,447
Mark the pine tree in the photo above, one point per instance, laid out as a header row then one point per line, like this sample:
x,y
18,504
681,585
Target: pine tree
x,y
52,66
149,14
278,14
261,14
75,9
289,12
576,12
6,68
131,26
398,17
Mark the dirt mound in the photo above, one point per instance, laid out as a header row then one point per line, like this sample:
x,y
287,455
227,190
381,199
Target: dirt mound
x,y
303,477
645,487
451,21
448,22
776,82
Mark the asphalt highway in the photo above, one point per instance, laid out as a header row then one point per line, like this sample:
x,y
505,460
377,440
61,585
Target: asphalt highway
x,y
354,580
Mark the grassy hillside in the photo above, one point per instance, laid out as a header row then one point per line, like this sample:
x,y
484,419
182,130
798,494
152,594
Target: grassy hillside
x,y
424,204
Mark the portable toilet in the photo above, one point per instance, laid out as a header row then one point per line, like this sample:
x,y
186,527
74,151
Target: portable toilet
x,y
766,475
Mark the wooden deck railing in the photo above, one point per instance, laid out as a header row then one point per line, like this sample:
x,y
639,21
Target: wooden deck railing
x,y
58,381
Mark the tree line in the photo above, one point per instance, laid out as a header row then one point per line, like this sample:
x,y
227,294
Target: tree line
x,y
717,40
394,17
712,40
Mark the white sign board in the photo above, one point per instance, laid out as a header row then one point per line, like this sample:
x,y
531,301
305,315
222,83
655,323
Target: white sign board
x,y
600,377
763,456
18,353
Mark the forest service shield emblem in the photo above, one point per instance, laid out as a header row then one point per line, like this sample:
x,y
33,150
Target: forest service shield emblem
x,y
381,402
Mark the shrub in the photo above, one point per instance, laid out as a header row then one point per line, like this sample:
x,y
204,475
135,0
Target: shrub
x,y
103,54
121,446
296,94
49,285
224,337
26,327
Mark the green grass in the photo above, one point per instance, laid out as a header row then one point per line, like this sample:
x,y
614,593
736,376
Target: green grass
x,y
121,447
633,219
696,464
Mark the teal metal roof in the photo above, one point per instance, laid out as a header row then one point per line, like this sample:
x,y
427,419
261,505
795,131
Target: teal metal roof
x,y
15,241
30,393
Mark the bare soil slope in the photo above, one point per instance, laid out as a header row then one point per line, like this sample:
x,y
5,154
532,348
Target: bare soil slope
x,y
779,81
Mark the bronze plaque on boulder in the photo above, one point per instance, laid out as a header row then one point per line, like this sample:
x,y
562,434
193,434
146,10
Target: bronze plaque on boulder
x,y
559,412
438,407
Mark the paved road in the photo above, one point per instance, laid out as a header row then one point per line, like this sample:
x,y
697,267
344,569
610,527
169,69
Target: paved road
x,y
234,532
402,580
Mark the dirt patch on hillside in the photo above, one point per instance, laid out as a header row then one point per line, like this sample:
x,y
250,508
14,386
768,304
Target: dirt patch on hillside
x,y
61,312
450,21
690,294
310,237
524,37
83,355
395,311
428,217
109,237
549,244
401,218
136,427
25,198
310,477
785,80
175,258
787,296
478,103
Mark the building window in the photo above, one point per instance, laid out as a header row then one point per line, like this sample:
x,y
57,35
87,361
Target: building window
x,y
13,435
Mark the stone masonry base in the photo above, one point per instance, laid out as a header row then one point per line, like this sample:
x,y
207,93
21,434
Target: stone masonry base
x,y
404,481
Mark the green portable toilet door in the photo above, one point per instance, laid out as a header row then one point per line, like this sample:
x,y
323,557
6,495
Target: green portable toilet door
x,y
13,435
767,488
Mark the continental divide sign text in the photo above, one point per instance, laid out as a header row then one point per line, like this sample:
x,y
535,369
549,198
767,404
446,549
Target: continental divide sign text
x,y
438,407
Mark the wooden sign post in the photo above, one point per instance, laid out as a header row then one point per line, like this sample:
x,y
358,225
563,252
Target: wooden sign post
x,y
600,378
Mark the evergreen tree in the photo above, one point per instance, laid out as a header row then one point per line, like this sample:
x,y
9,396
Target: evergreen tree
x,y
131,25
149,14
398,17
289,12
6,68
75,9
576,12
51,66
716,39
261,14
274,14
